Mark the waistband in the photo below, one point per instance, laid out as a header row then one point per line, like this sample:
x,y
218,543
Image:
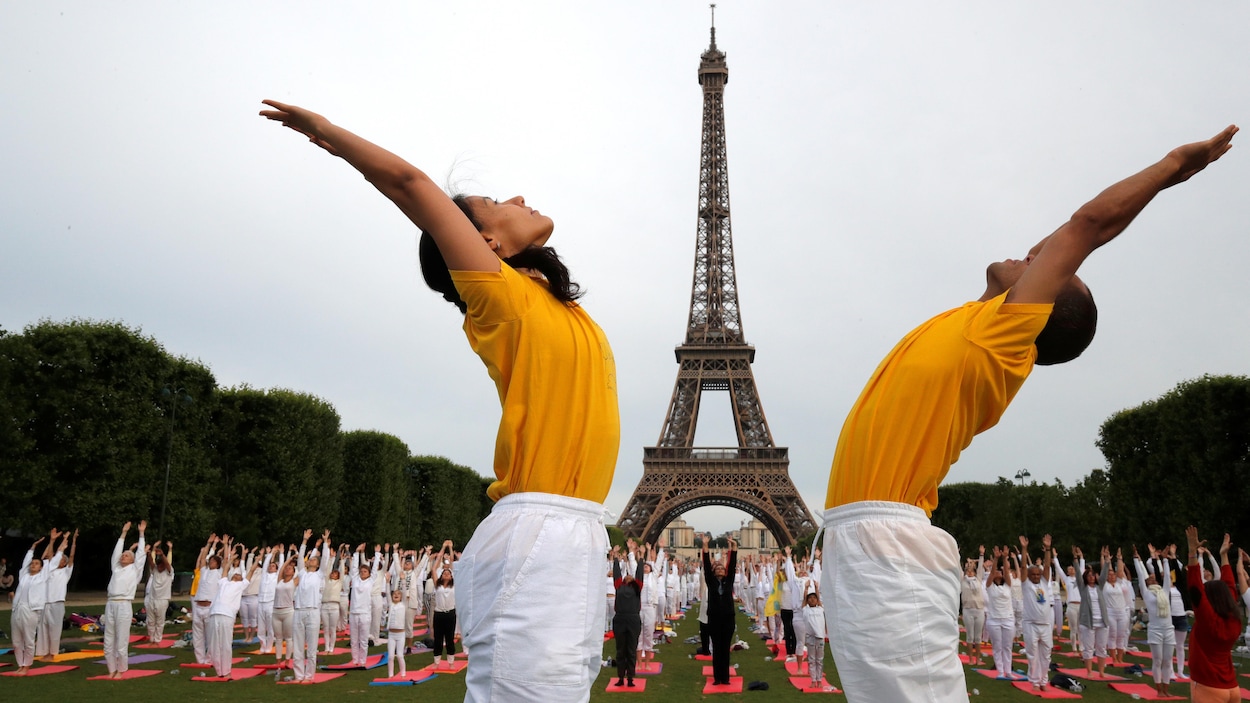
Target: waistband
x,y
874,510
548,503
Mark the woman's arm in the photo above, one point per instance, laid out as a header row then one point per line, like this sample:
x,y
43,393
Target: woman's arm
x,y
418,197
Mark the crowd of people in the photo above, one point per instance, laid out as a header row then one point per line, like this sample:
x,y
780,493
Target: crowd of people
x,y
1010,597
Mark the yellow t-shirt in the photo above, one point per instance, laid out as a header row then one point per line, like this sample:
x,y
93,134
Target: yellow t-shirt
x,y
949,379
561,428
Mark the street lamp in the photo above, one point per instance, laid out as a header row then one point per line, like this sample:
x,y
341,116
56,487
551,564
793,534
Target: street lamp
x,y
176,396
1021,475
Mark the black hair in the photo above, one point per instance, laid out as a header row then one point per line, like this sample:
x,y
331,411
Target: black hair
x,y
1221,599
1071,326
542,259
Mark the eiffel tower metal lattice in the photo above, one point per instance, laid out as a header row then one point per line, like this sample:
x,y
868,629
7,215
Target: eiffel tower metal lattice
x,y
677,476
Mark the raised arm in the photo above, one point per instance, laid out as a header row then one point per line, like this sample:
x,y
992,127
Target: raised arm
x,y
1243,579
418,197
120,546
327,564
1055,260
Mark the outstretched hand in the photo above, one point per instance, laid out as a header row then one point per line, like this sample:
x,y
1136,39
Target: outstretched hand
x,y
1192,158
306,122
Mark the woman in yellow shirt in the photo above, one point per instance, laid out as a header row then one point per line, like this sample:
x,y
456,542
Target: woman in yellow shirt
x,y
557,442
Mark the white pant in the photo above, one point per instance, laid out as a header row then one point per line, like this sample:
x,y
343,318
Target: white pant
x,y
221,648
395,651
265,627
1178,669
974,626
249,612
156,618
360,637
304,661
1002,632
1038,641
25,626
815,647
199,632
1074,623
117,617
800,633
50,623
1117,630
284,632
330,624
525,644
646,636
376,615
1093,642
890,586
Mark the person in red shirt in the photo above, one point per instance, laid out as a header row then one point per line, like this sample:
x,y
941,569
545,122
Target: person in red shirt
x,y
1216,628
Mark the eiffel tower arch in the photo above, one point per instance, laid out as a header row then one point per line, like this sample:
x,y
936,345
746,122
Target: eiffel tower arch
x,y
754,476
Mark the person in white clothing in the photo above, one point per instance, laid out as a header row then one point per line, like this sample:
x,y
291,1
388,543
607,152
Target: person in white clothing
x,y
1094,619
159,589
312,577
330,598
395,619
224,610
28,603
361,604
284,609
999,611
1073,602
118,612
60,568
378,599
1159,631
972,601
1038,616
208,564
814,634
265,597
1117,593
443,622
249,608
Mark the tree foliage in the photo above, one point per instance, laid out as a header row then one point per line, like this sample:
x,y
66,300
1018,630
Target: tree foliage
x,y
442,501
373,507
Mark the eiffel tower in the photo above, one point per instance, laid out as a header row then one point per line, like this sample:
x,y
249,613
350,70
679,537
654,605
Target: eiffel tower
x,y
753,477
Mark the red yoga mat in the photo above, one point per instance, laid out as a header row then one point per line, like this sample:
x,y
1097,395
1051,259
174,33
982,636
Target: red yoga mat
x,y
1092,676
1143,691
734,686
703,657
163,644
128,674
639,686
42,670
649,668
235,675
797,668
1048,692
197,665
803,683
319,677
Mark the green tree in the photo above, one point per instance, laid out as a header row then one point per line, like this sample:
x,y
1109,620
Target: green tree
x,y
280,457
375,497
447,501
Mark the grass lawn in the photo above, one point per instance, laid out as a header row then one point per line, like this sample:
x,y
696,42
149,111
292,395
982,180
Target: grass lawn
x,y
681,679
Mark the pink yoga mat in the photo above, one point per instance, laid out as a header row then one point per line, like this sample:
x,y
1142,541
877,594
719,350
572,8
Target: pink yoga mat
x,y
797,668
1048,692
639,686
319,677
128,674
55,669
1143,691
734,686
197,665
803,683
370,663
993,674
235,675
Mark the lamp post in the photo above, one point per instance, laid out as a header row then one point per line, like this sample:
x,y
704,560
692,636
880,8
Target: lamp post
x,y
175,396
1024,515
1021,475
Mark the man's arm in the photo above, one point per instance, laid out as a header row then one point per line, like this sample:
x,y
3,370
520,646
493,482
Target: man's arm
x,y
1055,260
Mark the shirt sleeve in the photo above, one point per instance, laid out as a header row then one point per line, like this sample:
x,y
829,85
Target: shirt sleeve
x,y
493,298
1007,329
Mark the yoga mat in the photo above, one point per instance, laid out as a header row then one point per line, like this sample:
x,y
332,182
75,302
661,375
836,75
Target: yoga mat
x,y
803,683
3,664
639,686
455,668
43,670
284,664
5,651
1175,679
1092,676
128,674
197,665
1143,691
993,674
141,659
1245,694
797,668
1048,692
372,662
240,643
71,656
734,686
163,644
408,679
707,670
235,675
703,657
320,677
418,633
649,668
137,638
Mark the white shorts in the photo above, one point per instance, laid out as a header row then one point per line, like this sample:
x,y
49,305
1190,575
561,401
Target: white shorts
x,y
890,586
529,599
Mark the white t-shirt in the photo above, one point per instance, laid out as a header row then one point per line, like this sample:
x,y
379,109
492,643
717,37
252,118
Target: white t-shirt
x,y
444,599
1037,602
229,596
998,602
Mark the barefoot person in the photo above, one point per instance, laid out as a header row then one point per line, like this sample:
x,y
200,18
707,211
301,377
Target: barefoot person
x,y
557,442
127,567
946,381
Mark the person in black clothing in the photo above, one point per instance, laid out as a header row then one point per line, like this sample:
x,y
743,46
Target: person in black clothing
x,y
627,623
720,607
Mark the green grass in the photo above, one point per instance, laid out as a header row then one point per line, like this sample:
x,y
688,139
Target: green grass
x,y
680,681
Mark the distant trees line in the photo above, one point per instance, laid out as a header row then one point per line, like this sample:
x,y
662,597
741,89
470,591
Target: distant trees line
x,y
92,414
1181,459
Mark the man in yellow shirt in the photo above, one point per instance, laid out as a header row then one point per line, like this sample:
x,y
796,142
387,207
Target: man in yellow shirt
x,y
890,579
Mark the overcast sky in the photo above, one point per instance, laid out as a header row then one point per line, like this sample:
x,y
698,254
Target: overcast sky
x,y
880,155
